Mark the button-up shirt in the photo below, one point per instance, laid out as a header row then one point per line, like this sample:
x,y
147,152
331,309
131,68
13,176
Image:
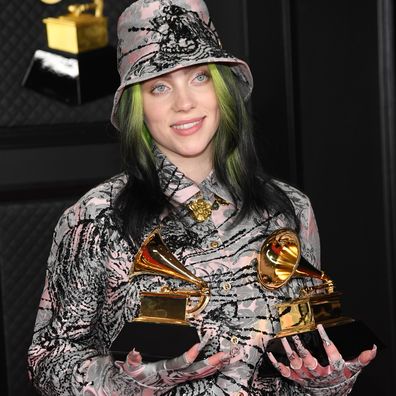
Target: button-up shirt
x,y
88,296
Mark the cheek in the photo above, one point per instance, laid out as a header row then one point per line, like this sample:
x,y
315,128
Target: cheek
x,y
210,103
216,113
153,118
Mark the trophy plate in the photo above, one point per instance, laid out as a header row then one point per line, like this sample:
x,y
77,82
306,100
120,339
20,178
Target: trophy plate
x,y
154,341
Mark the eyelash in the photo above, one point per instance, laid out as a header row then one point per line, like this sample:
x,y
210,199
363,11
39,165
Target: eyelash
x,y
153,90
199,74
202,74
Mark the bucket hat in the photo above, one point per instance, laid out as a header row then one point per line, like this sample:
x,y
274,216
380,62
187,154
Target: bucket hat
x,y
159,36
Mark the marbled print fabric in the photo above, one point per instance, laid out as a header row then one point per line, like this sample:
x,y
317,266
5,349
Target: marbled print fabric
x,y
87,295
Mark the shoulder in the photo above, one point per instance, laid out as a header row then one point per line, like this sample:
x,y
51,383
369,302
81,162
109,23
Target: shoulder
x,y
299,199
308,230
96,204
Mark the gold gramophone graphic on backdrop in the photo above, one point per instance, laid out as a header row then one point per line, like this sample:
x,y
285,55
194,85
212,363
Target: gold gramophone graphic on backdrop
x,y
71,69
162,329
280,261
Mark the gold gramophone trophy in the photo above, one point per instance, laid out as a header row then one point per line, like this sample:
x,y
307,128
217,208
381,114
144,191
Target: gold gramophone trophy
x,y
162,330
280,260
79,65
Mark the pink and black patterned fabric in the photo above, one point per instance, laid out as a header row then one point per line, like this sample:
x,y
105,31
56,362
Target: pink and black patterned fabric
x,y
87,296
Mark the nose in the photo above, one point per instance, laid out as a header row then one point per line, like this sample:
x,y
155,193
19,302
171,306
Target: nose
x,y
183,99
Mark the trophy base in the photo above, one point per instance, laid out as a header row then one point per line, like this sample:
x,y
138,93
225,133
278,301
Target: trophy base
x,y
73,78
154,341
350,339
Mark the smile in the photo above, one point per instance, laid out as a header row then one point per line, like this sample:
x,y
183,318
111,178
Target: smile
x,y
189,126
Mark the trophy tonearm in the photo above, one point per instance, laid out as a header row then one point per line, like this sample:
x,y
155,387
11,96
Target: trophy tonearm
x,y
280,260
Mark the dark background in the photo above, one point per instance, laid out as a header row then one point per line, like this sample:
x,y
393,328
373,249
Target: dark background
x,y
323,107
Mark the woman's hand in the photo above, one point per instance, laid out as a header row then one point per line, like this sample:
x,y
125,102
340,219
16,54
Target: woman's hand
x,y
305,369
165,374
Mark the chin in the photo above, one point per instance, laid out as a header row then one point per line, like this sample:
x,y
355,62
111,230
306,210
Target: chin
x,y
192,153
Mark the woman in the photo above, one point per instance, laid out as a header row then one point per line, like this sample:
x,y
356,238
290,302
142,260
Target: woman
x,y
187,142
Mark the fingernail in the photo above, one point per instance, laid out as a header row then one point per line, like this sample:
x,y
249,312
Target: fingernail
x,y
302,351
286,344
374,348
204,340
325,338
271,356
200,345
273,360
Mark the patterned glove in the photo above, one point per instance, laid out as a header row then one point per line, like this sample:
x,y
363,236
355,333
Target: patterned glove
x,y
335,379
161,376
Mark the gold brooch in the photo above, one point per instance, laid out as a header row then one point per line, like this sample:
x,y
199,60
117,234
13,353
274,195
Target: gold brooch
x,y
200,209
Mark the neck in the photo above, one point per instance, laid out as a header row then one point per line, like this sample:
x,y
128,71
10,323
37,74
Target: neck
x,y
197,170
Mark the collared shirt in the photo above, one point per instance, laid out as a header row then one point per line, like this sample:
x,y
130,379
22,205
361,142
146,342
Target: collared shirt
x,y
87,295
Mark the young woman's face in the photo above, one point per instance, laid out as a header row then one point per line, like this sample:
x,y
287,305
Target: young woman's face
x,y
182,114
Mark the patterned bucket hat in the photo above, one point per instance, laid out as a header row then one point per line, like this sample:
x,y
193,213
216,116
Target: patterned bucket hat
x,y
159,36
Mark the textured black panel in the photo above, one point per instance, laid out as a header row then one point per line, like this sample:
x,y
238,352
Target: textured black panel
x,y
25,236
22,32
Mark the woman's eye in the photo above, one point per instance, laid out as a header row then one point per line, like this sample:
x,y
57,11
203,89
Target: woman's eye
x,y
202,77
159,89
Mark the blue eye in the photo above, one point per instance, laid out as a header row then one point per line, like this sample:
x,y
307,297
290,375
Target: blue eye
x,y
202,77
159,89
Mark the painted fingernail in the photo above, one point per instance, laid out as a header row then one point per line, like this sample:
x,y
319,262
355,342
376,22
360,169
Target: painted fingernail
x,y
273,360
286,345
325,338
292,356
302,351
204,340
134,353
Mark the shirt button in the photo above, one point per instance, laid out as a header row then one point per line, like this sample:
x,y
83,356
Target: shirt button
x,y
214,244
226,286
234,340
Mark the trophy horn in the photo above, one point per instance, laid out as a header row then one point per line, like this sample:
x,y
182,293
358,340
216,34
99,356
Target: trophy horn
x,y
280,259
154,258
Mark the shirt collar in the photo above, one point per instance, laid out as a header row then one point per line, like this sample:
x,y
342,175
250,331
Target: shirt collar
x,y
179,189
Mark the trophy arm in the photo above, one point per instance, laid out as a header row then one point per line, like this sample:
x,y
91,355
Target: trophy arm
x,y
78,9
327,286
204,297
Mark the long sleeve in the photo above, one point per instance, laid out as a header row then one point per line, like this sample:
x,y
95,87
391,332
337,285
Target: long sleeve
x,y
309,234
69,350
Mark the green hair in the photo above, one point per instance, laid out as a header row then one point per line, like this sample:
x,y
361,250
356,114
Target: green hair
x,y
135,135
235,161
232,117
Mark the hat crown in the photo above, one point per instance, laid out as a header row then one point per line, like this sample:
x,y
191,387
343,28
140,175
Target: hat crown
x,y
162,32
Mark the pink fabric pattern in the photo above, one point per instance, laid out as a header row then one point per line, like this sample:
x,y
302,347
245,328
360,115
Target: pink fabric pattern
x,y
87,296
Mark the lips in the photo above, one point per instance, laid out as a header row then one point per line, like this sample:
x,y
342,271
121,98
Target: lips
x,y
187,127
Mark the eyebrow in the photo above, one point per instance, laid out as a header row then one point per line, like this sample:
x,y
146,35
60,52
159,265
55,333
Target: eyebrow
x,y
185,70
